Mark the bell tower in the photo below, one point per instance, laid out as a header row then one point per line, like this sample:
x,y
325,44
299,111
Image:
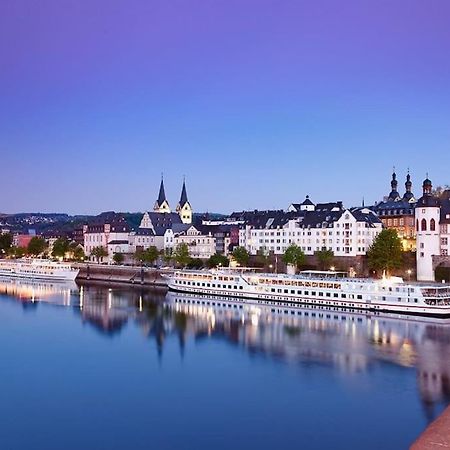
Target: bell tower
x,y
184,208
162,205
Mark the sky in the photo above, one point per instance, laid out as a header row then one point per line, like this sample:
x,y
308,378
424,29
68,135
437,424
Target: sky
x,y
256,102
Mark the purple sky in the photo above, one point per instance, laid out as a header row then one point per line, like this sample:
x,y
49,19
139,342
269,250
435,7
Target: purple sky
x,y
257,102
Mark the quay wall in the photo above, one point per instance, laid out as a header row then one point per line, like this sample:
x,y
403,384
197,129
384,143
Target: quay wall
x,y
436,436
134,275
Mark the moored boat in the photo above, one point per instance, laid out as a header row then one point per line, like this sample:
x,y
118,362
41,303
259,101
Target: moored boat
x,y
324,289
38,269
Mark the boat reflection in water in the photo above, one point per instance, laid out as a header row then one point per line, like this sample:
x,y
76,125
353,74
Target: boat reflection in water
x,y
33,291
347,341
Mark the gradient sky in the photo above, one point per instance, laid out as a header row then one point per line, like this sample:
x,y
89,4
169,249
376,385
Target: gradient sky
x,y
257,102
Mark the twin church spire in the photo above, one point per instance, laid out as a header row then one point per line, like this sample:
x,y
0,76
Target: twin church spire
x,y
183,209
395,196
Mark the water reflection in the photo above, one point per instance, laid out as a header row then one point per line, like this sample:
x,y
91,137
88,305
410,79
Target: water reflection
x,y
349,342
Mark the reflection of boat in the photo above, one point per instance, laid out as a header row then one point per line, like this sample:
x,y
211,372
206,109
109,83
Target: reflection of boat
x,y
36,290
323,289
35,269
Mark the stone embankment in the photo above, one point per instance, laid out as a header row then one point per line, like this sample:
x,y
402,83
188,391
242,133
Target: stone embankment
x,y
134,275
436,436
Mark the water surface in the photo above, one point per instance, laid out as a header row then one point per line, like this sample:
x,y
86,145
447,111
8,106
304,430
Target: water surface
x,y
119,368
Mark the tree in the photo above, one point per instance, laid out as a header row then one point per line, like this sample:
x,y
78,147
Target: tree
x,y
195,263
36,246
17,252
118,258
262,258
294,256
148,256
151,255
181,254
78,253
241,256
386,251
218,260
99,253
324,258
5,242
60,247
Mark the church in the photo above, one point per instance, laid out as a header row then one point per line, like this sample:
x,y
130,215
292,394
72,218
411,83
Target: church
x,y
397,212
432,214
162,215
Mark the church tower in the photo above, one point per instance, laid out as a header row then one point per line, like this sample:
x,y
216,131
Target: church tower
x,y
162,205
184,208
427,214
409,196
394,195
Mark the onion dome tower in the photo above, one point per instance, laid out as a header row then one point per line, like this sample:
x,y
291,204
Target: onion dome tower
x,y
427,214
409,196
162,205
184,208
394,195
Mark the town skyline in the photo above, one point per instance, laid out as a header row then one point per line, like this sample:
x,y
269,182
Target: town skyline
x,y
173,195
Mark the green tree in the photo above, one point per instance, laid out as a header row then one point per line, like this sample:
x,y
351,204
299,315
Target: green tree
x,y
218,260
262,258
60,247
386,251
324,258
36,246
17,252
151,255
195,263
241,256
148,256
78,253
99,253
5,243
181,255
118,258
295,256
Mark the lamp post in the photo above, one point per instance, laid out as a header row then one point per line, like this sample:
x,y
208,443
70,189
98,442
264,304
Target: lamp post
x,y
409,272
270,267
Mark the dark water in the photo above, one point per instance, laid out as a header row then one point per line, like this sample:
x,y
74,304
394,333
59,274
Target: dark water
x,y
131,369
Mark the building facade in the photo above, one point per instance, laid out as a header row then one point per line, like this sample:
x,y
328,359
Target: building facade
x,y
432,215
346,232
397,212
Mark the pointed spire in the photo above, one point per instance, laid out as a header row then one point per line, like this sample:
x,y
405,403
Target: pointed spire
x,y
183,198
162,192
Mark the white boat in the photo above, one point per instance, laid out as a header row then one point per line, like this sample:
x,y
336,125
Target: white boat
x,y
38,269
322,289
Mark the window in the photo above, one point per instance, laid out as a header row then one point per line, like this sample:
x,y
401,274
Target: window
x,y
432,225
424,225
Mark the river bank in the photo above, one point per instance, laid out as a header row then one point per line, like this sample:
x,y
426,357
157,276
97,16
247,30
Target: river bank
x,y
131,275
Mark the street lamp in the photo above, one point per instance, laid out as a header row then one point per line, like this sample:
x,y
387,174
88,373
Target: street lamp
x,y
332,268
270,267
409,272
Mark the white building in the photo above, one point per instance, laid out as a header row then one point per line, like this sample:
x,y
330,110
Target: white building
x,y
200,245
327,226
433,231
112,236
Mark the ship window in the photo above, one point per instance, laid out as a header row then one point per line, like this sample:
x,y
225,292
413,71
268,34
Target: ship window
x,y
286,291
292,292
344,295
359,297
335,295
328,294
313,293
273,290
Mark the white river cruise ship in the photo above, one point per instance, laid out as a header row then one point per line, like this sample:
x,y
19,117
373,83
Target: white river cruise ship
x,y
324,289
38,269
